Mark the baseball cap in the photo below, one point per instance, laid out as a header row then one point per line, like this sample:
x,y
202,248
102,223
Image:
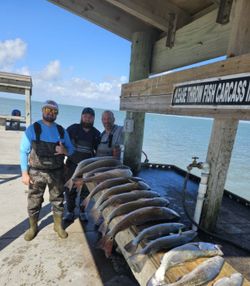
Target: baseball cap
x,y
51,104
88,110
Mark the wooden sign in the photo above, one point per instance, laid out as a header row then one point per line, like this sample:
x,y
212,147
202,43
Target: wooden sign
x,y
225,90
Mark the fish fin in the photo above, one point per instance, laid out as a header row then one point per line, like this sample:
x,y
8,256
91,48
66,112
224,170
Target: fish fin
x,y
137,261
218,247
103,228
106,243
95,213
180,231
130,247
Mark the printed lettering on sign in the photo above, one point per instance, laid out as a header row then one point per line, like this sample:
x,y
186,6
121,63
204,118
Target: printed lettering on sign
x,y
227,90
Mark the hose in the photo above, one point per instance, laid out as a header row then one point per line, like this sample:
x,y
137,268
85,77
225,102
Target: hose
x,y
146,157
198,226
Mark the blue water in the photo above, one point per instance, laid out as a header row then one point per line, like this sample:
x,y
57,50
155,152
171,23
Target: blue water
x,y
167,139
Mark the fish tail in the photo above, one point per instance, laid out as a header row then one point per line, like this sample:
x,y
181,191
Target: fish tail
x,y
131,247
137,261
99,221
95,213
69,184
85,202
106,243
103,228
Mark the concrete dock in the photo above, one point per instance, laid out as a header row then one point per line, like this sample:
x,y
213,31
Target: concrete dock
x,y
46,260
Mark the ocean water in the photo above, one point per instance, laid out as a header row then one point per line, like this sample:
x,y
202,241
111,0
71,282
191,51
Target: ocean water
x,y
167,139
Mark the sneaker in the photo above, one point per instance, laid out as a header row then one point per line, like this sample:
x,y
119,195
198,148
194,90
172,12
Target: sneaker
x,y
83,216
69,216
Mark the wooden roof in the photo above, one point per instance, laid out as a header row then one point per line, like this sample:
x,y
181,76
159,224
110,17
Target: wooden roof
x,y
15,83
194,24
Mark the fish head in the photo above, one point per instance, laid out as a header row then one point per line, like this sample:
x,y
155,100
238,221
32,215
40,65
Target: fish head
x,y
154,282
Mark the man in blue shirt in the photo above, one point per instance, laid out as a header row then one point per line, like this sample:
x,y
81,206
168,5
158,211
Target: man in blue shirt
x,y
43,147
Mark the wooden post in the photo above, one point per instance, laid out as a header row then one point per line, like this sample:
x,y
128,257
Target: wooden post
x,y
28,107
142,43
224,130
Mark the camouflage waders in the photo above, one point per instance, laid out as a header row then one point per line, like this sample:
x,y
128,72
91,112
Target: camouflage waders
x,y
55,181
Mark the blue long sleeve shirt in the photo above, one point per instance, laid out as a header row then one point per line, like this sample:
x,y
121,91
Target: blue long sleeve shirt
x,y
48,134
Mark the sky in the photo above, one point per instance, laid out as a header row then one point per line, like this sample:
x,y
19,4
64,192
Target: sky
x,y
70,59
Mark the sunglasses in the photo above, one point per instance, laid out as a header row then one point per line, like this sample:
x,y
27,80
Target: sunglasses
x,y
50,110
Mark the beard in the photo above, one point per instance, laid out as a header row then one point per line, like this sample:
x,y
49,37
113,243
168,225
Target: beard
x,y
87,125
49,118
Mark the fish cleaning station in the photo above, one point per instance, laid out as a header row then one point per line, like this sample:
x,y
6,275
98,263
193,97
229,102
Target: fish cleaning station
x,y
140,211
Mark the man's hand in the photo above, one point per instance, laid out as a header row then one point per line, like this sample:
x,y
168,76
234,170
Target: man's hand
x,y
60,149
26,178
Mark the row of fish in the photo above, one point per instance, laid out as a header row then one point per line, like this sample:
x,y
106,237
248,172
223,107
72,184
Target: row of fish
x,y
136,204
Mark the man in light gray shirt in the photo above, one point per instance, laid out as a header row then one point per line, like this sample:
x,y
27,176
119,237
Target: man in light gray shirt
x,y
111,138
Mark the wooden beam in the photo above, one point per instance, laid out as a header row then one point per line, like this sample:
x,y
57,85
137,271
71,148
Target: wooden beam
x,y
139,68
10,89
240,32
105,15
155,13
28,107
171,30
200,40
155,94
224,11
161,104
224,131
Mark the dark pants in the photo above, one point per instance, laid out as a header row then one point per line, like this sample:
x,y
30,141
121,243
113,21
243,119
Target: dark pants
x,y
40,179
71,195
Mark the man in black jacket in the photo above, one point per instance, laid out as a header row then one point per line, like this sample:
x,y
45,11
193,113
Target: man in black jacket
x,y
85,138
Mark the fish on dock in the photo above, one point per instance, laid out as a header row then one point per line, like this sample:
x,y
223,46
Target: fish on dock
x,y
153,232
120,199
202,274
138,260
108,184
181,254
236,279
87,165
131,206
121,189
137,217
113,172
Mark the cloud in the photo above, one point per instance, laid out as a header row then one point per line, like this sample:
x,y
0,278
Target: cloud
x,y
51,80
23,70
10,52
52,71
80,91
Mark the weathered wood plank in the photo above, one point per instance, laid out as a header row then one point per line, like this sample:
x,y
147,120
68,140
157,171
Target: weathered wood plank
x,y
105,15
155,94
16,118
17,77
218,156
155,13
14,83
10,89
200,40
161,105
